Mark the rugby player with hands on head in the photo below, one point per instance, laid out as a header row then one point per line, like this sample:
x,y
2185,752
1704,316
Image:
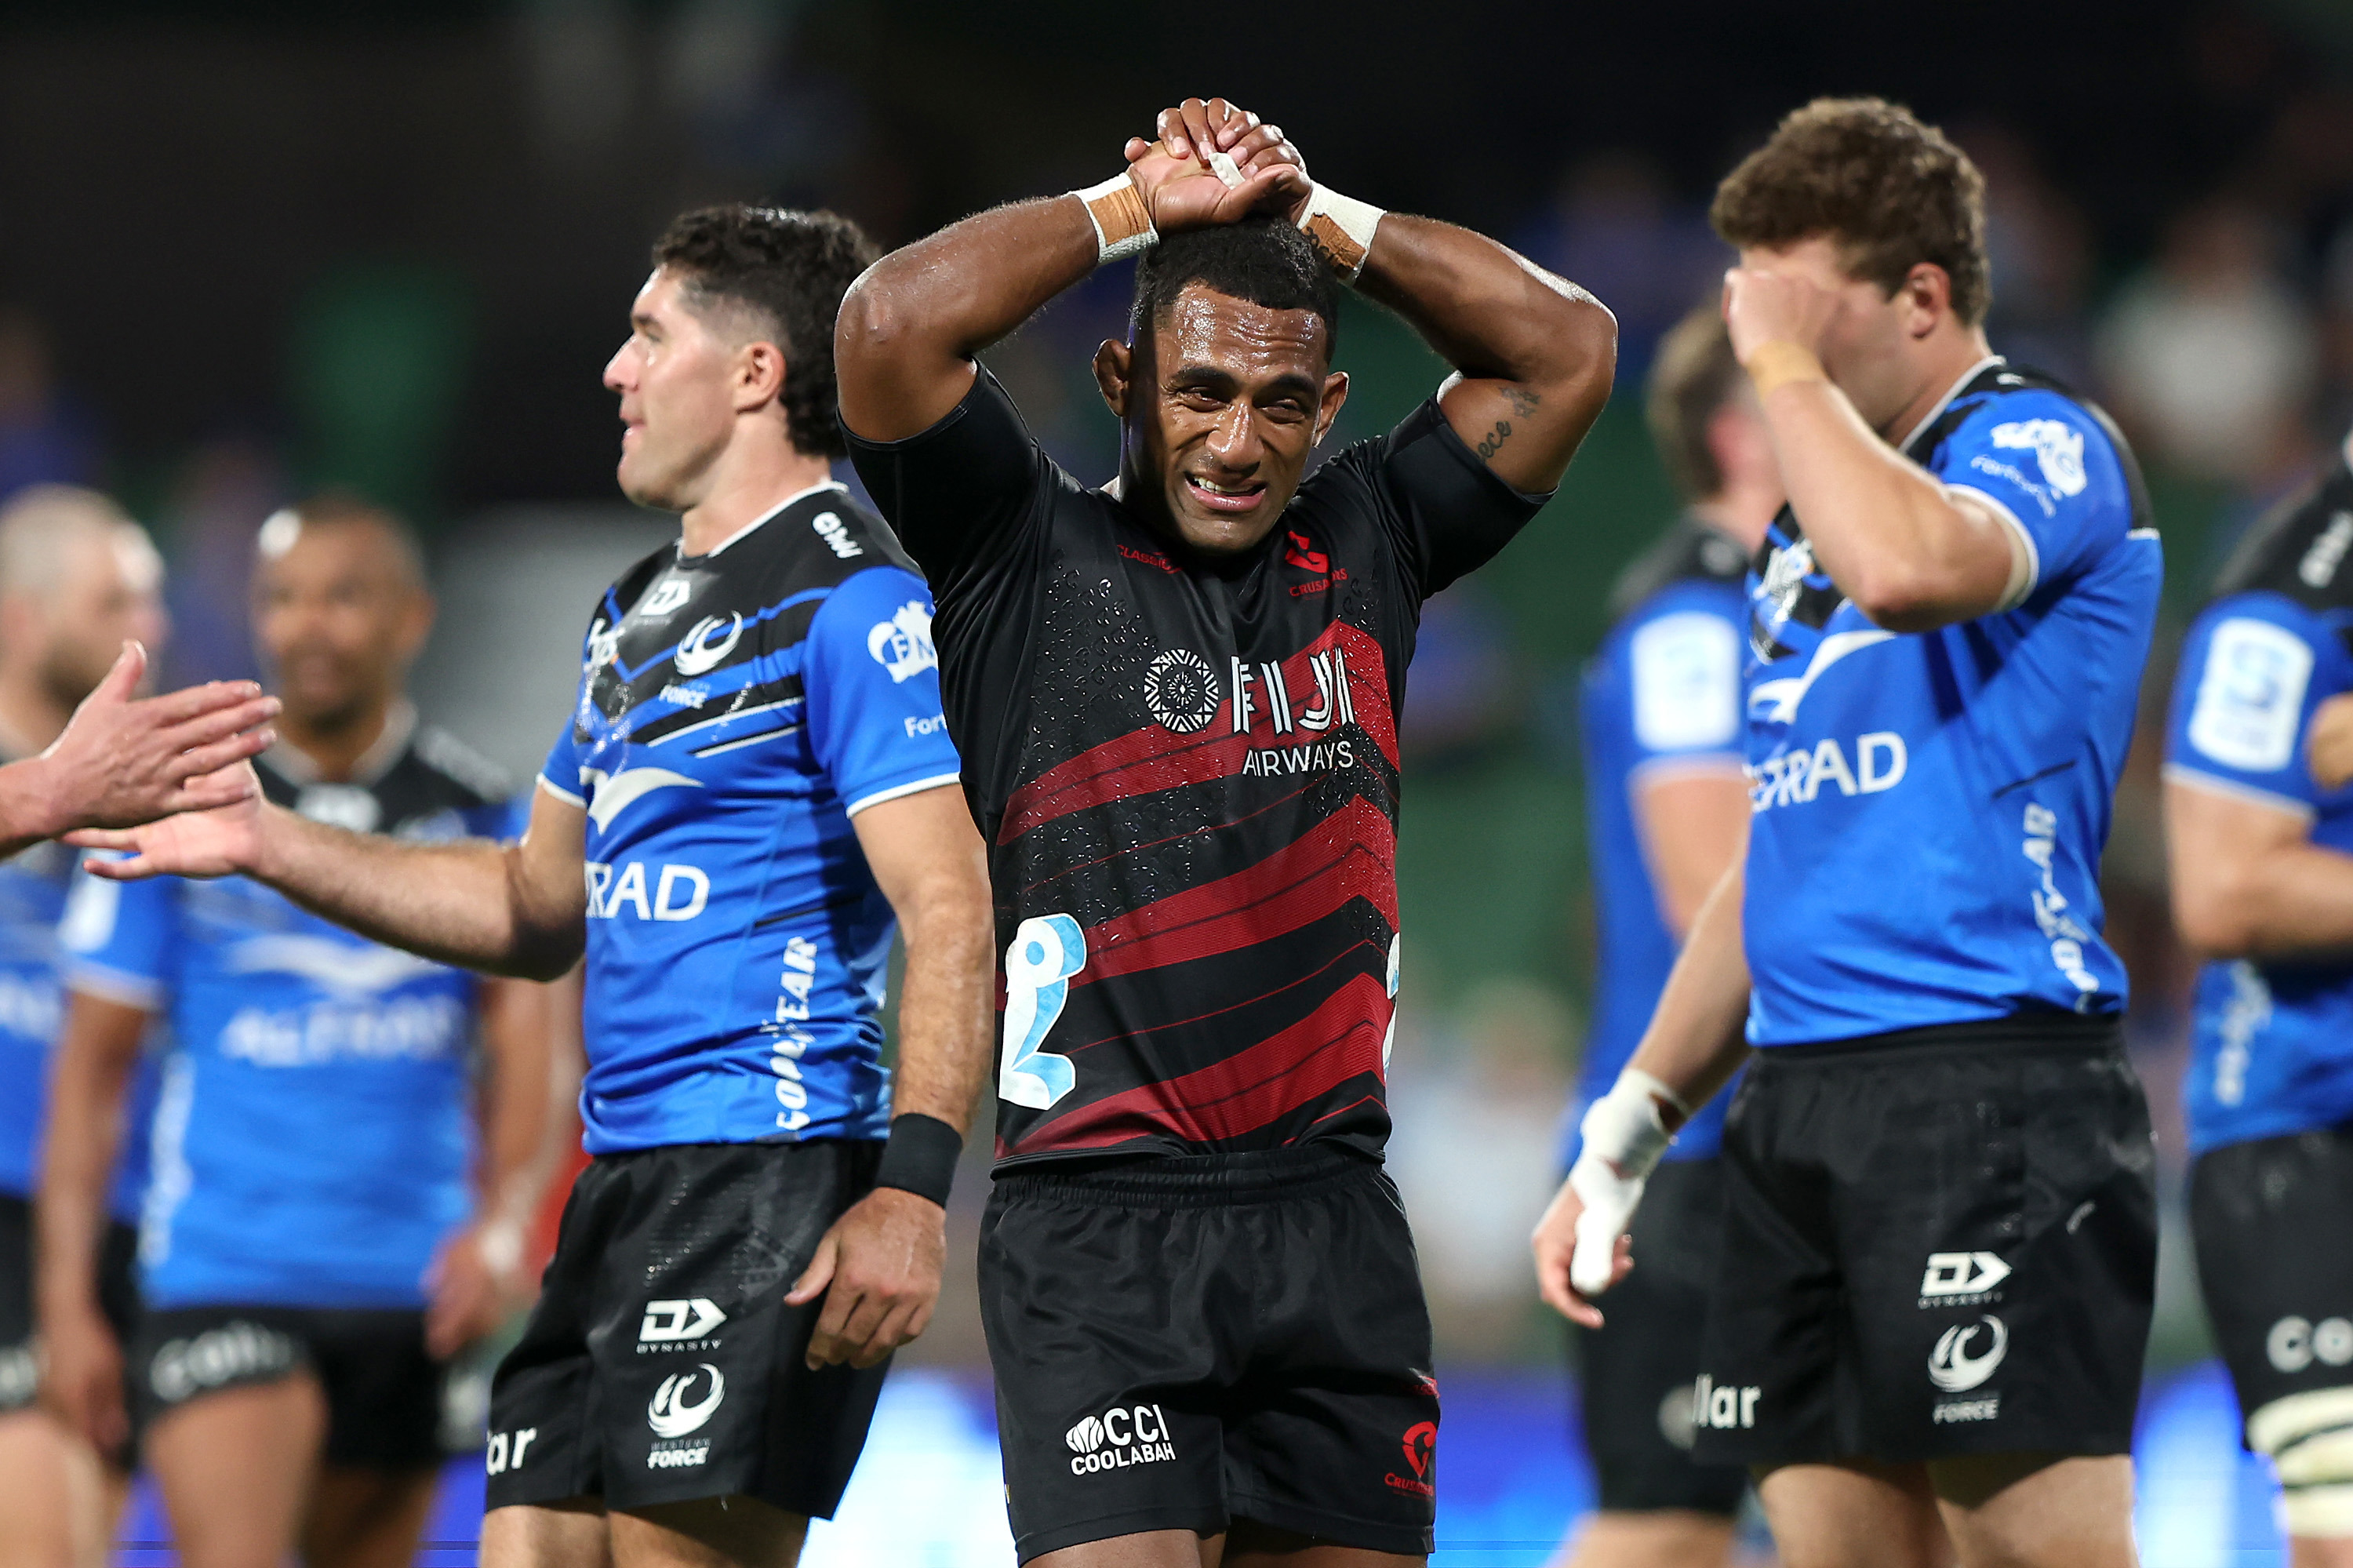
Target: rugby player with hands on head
x,y
2258,827
1176,696
1930,1303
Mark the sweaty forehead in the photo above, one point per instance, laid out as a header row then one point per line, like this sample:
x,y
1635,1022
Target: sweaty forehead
x,y
1203,328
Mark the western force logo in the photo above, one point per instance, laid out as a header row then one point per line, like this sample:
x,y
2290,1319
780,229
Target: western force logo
x,y
902,644
697,654
1119,1437
2058,451
1960,1279
1962,1359
667,1323
1420,1446
1181,690
674,1413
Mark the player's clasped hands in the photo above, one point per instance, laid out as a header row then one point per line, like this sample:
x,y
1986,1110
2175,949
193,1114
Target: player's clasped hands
x,y
1214,162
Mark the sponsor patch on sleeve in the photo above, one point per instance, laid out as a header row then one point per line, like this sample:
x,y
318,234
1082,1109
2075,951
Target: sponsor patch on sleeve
x,y
1686,671
2251,695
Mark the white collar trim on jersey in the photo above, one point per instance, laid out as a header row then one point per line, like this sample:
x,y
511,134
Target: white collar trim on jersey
x,y
765,516
399,724
1971,373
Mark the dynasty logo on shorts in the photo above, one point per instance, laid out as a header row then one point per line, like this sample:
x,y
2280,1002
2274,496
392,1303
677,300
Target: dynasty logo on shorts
x,y
1966,1354
1962,1279
675,1411
1420,1446
1119,1436
680,1325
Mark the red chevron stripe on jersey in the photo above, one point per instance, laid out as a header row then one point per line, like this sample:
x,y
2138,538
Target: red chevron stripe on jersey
x,y
1227,1099
1351,854
1154,757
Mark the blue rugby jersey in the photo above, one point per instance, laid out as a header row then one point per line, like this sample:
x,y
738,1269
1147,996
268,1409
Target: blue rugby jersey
x,y
736,710
311,1140
1929,808
2272,1042
32,1010
1662,693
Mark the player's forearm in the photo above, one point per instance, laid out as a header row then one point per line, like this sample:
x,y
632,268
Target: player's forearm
x,y
1696,1039
88,1080
910,324
517,1107
463,902
2288,902
1881,527
945,1033
30,810
1550,347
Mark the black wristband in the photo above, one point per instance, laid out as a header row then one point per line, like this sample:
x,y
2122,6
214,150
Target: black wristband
x,y
920,1156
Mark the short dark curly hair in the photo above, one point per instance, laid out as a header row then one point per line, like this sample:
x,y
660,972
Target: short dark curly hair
x,y
789,269
1261,259
1892,191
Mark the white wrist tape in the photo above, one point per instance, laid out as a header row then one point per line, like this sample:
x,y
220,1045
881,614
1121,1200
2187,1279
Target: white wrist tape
x,y
1123,222
1625,1133
501,1243
1342,228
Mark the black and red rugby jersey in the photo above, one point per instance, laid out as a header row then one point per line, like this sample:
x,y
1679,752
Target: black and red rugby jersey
x,y
1186,772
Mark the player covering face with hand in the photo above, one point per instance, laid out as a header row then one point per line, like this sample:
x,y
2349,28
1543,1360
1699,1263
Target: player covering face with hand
x,y
1931,1299
1176,696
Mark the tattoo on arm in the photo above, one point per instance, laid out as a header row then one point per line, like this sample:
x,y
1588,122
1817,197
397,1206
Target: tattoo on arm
x,y
1494,441
1522,401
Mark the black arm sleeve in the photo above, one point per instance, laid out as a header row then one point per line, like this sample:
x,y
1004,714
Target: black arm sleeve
x,y
958,492
1446,512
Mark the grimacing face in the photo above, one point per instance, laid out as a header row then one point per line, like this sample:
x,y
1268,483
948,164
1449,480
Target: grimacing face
x,y
678,410
338,619
1222,402
1869,346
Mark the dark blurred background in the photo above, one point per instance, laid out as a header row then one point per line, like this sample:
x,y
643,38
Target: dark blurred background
x,y
249,250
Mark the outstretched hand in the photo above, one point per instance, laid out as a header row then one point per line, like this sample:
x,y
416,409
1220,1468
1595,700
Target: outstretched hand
x,y
1213,164
220,842
121,761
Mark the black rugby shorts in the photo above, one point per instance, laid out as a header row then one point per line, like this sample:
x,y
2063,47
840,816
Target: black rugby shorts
x,y
1181,1343
118,1299
662,1363
1635,1373
383,1390
1937,1242
2273,1220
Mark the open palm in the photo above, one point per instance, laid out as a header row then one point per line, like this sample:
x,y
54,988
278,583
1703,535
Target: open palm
x,y
219,842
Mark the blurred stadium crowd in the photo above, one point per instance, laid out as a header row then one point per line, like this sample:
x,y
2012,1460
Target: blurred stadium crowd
x,y
429,242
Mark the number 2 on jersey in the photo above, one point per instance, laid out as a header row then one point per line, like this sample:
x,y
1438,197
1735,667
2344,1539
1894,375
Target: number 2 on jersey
x,y
1046,951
